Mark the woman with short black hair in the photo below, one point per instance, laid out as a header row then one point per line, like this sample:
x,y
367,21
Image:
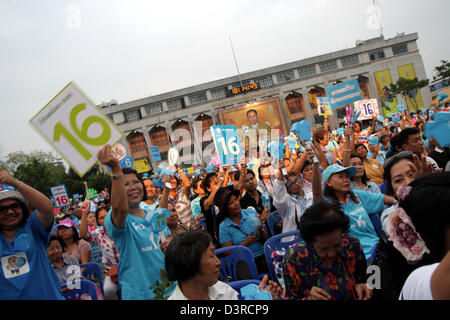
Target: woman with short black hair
x,y
191,261
239,226
327,264
139,233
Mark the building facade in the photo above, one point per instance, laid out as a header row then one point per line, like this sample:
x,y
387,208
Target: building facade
x,y
280,95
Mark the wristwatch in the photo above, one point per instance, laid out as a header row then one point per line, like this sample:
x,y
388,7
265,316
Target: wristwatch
x,y
117,176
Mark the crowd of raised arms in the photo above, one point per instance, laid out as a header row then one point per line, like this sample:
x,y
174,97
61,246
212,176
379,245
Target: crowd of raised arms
x,y
360,213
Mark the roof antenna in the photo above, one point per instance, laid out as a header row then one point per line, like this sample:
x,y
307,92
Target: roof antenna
x,y
235,61
377,11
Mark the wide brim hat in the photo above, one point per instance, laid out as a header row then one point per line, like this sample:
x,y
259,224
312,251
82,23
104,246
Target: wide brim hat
x,y
7,192
223,195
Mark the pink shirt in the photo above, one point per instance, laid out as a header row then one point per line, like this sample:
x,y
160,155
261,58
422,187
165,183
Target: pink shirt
x,y
81,247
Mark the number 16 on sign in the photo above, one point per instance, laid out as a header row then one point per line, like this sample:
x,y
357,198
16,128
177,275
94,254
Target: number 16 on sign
x,y
226,141
75,128
60,196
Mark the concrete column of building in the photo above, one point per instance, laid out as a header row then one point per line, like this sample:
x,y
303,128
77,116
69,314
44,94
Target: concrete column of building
x,y
332,121
308,109
373,92
145,132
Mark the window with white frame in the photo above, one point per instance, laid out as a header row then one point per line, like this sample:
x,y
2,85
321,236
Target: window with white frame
x,y
307,71
197,98
328,65
399,49
133,115
350,60
174,104
375,55
153,108
285,76
218,93
265,82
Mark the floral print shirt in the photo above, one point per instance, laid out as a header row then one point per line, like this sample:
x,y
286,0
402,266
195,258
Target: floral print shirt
x,y
304,270
110,255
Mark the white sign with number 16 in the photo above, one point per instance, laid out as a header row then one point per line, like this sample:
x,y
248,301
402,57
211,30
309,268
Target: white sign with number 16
x,y
75,128
368,108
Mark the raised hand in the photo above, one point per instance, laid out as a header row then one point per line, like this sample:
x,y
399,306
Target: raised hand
x,y
106,157
7,178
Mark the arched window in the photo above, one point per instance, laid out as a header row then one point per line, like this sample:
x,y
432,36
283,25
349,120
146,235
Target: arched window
x,y
296,105
137,145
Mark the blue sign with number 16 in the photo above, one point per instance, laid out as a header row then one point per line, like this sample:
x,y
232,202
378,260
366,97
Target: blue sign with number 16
x,y
226,141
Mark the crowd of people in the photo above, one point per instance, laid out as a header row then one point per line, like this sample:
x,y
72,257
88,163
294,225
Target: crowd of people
x,y
360,197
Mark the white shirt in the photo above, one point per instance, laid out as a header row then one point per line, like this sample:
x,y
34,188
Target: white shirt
x,y
417,286
288,205
219,291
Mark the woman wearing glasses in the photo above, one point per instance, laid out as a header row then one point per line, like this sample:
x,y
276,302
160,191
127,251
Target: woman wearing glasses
x,y
25,271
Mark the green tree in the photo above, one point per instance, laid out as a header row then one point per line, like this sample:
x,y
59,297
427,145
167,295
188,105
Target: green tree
x,y
38,169
43,170
442,71
408,88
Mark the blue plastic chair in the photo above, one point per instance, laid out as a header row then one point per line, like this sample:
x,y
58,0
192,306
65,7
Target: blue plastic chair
x,y
85,286
373,252
274,244
229,262
376,222
271,220
237,285
118,281
92,271
383,188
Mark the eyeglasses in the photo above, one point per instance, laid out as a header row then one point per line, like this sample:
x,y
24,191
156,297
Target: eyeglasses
x,y
298,179
399,156
14,207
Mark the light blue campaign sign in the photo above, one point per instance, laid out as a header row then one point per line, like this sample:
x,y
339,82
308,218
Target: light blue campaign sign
x,y
302,130
343,93
340,131
442,96
276,149
439,128
155,153
127,162
226,141
401,107
157,219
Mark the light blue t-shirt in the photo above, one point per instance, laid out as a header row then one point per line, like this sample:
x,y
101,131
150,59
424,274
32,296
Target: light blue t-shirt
x,y
371,187
141,259
381,156
26,272
195,207
361,226
230,231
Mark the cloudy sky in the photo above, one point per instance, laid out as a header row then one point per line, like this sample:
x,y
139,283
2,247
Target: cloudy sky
x,y
130,49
